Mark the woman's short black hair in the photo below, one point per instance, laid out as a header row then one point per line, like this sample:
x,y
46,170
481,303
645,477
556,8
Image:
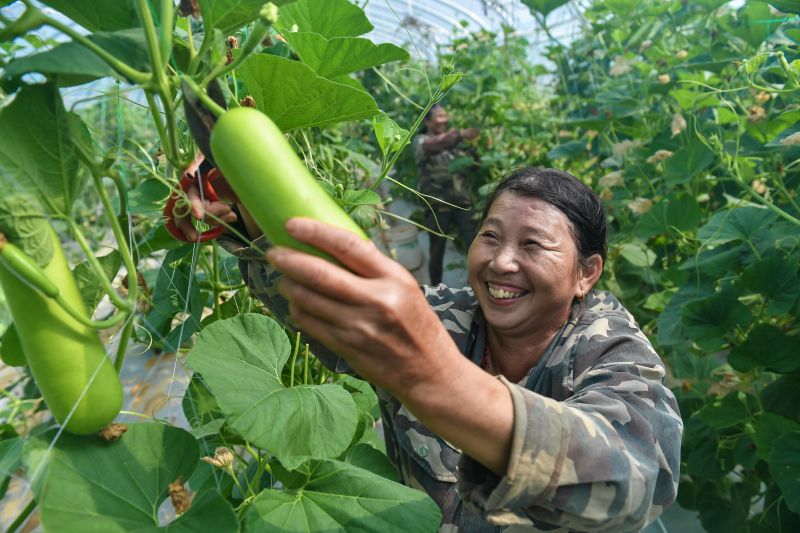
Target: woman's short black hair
x,y
581,205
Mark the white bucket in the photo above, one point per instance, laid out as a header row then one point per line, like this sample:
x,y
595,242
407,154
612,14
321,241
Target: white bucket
x,y
402,242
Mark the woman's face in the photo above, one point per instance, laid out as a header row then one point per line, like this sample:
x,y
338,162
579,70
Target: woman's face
x,y
438,121
523,266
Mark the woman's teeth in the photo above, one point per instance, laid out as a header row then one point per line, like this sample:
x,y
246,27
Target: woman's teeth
x,y
503,294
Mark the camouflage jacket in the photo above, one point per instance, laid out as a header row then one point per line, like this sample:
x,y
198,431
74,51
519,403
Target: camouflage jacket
x,y
597,435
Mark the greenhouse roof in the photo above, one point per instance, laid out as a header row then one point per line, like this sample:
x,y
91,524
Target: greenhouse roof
x,y
431,22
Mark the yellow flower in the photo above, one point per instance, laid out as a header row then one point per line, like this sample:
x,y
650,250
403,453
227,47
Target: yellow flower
x,y
664,78
682,54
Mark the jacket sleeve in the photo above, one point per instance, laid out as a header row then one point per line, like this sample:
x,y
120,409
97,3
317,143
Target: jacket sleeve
x,y
605,459
262,280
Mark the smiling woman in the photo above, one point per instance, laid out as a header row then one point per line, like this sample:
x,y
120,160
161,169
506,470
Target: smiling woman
x,y
528,400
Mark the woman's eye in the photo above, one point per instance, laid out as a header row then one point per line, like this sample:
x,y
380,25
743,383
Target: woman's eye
x,y
529,244
490,235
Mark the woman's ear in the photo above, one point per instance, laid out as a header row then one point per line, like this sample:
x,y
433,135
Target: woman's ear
x,y
589,272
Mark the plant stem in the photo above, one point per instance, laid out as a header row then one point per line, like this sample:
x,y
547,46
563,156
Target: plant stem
x,y
156,114
135,76
294,358
167,21
122,345
260,31
217,282
122,243
206,100
305,366
23,516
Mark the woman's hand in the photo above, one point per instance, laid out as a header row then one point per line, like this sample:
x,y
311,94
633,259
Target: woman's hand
x,y
202,209
369,310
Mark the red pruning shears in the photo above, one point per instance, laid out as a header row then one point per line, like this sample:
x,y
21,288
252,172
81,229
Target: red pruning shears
x,y
202,170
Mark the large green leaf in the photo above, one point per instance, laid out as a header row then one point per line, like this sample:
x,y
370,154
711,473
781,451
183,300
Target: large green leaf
x,y
784,6
334,496
241,360
687,162
735,224
73,64
230,15
111,15
766,346
23,224
775,278
38,153
176,291
676,213
87,485
708,322
784,465
544,7
341,55
768,428
329,18
294,96
365,456
669,326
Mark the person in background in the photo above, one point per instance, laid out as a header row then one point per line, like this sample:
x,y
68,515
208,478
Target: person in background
x,y
434,150
528,401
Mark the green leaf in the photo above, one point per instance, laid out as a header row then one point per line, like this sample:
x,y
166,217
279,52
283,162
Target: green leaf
x,y
293,96
669,326
775,278
366,457
114,14
10,456
638,254
86,485
241,360
784,6
784,465
740,223
354,197
544,7
329,18
780,140
716,262
342,55
173,287
766,346
11,351
709,321
199,406
38,154
230,15
676,213
73,64
769,428
567,150
687,162
334,496
390,136
23,224
90,287
723,412
149,196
